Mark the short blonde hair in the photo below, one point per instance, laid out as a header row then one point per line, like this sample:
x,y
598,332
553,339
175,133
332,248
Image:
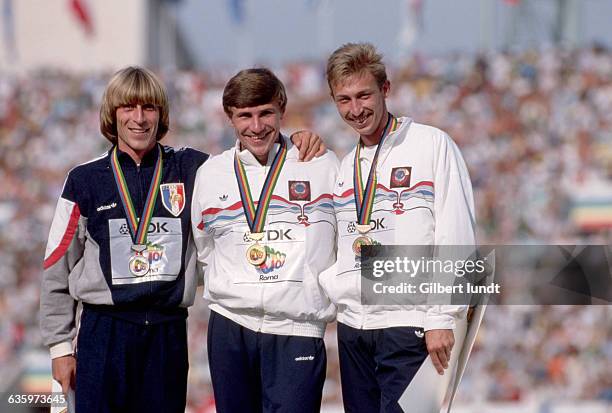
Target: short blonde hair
x,y
355,58
129,86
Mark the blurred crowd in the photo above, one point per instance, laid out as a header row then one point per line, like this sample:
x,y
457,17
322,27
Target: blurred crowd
x,y
535,129
548,353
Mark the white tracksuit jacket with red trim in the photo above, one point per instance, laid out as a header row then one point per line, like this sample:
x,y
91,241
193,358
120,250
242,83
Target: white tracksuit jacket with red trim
x,y
282,296
423,197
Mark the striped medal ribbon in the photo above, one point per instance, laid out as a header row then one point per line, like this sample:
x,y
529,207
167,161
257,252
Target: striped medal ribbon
x,y
364,198
256,217
139,262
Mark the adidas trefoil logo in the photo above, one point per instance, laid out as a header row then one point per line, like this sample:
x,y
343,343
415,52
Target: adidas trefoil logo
x,y
223,197
105,207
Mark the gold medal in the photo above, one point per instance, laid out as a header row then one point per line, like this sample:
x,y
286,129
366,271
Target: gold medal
x,y
256,217
364,197
139,265
256,254
359,242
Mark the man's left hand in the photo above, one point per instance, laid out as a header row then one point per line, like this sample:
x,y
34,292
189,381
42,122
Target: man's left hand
x,y
439,345
309,144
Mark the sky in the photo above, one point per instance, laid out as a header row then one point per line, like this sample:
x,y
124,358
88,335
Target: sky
x,y
274,31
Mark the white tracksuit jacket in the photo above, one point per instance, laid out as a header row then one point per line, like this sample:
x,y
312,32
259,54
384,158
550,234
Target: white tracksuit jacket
x,y
432,204
283,295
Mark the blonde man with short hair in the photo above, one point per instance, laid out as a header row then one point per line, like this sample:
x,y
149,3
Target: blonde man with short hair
x,y
404,183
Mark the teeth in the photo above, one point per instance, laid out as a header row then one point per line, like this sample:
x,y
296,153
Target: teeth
x,y
258,138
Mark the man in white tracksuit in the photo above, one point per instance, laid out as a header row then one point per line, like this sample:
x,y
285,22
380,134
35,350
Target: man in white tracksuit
x,y
419,193
262,258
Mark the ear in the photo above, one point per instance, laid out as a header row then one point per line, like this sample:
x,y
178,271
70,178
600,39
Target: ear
x,y
386,88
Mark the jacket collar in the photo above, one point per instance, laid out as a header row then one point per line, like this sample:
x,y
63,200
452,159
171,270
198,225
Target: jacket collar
x,y
248,159
148,160
393,140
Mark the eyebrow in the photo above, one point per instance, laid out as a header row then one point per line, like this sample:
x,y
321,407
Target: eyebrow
x,y
358,93
246,111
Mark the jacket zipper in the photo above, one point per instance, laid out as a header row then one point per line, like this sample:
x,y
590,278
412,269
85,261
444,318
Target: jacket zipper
x,y
263,315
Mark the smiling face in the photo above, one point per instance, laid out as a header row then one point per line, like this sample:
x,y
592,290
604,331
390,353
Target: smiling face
x,y
257,128
137,129
361,104
134,113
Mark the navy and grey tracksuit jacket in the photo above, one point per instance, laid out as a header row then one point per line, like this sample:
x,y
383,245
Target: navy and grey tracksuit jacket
x,y
89,246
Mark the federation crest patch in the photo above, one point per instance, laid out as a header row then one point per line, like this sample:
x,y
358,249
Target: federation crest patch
x,y
299,190
173,198
400,177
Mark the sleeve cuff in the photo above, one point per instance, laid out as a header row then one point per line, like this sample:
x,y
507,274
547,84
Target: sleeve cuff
x,y
439,322
61,349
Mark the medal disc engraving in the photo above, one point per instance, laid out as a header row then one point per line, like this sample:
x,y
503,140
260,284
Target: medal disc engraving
x,y
359,242
139,265
256,254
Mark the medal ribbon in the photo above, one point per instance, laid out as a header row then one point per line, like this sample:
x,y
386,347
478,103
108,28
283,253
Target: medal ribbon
x,y
256,218
364,199
138,228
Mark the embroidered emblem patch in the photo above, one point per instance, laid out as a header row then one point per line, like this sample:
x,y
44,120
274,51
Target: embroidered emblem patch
x,y
173,198
299,190
400,177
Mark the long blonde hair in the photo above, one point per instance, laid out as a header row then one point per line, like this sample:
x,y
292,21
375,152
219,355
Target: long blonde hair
x,y
129,86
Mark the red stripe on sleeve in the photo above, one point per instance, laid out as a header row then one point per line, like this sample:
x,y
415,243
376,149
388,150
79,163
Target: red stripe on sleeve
x,y
201,224
66,239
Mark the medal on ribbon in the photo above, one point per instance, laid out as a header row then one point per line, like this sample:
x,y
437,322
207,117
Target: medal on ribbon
x,y
256,217
364,197
256,253
139,261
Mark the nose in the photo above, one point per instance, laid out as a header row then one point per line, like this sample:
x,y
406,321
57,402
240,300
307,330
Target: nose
x,y
256,125
355,107
139,114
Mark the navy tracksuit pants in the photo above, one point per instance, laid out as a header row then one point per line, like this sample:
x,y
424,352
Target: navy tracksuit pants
x,y
257,372
128,367
376,366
